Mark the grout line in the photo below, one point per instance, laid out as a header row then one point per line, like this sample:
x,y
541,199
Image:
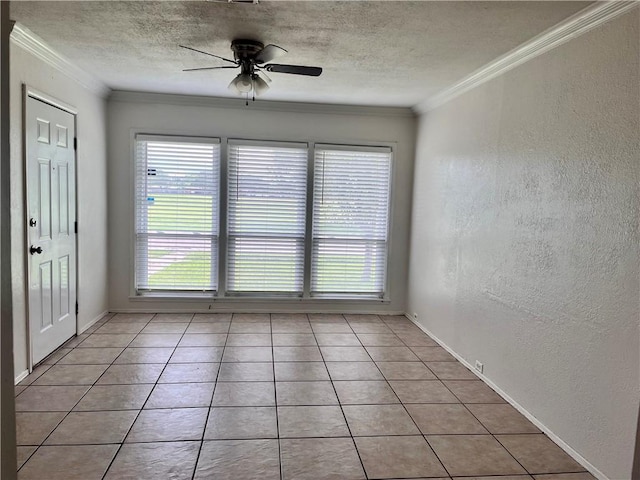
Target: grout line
x,y
215,386
275,393
340,404
145,401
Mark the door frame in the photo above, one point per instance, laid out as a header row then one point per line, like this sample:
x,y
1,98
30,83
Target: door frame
x,y
28,91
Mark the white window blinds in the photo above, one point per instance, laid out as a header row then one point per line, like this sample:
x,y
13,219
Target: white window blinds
x,y
177,185
266,201
350,220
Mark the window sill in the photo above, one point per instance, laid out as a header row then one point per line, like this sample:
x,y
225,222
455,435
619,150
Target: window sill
x,y
208,299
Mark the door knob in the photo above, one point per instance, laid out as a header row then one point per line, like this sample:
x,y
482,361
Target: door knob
x,y
33,250
32,222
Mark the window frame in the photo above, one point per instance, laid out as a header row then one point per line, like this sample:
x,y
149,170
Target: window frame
x,y
161,293
221,295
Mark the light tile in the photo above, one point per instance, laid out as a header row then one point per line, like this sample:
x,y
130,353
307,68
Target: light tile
x,y
144,355
133,373
451,371
155,461
246,372
203,340
217,327
445,419
405,371
337,339
326,318
538,454
211,318
331,327
156,340
402,457
168,425
302,327
189,372
305,393
391,354
380,340
311,421
365,392
289,318
362,318
364,327
180,395
91,356
345,354
77,462
236,423
247,354
354,371
114,397
293,339
130,318
239,459
49,399
34,375
473,455
33,427
249,340
98,340
565,476
250,327
197,355
160,327
251,318
297,354
473,391
75,341
23,454
71,375
93,428
172,317
121,327
244,394
433,354
370,420
502,418
422,391
414,337
55,357
320,459
300,371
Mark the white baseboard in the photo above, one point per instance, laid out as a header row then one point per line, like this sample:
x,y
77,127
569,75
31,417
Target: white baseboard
x,y
261,310
561,443
92,322
21,376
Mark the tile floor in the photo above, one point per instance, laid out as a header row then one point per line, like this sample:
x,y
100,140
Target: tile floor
x,y
280,396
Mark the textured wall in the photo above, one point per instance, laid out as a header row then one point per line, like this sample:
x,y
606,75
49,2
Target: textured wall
x,y
524,250
91,192
169,115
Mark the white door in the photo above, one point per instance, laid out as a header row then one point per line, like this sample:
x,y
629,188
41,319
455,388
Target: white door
x,y
51,216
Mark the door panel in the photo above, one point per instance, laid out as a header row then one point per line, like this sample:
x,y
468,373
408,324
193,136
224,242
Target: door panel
x,y
52,242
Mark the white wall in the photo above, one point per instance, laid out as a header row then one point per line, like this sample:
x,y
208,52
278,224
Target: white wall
x,y
91,192
524,246
153,113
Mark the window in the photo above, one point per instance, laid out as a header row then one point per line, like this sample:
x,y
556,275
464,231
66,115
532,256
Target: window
x,y
176,218
266,201
350,220
298,220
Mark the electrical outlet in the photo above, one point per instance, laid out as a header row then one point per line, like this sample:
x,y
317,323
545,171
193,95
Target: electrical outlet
x,y
479,366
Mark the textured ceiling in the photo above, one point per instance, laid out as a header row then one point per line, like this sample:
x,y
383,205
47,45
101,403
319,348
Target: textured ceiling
x,y
373,53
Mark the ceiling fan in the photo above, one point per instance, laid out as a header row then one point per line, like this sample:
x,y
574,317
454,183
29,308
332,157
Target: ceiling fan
x,y
252,58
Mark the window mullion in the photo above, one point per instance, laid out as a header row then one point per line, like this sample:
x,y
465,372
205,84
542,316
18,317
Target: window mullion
x,y
308,232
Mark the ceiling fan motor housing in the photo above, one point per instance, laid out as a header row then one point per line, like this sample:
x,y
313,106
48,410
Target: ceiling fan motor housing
x,y
245,49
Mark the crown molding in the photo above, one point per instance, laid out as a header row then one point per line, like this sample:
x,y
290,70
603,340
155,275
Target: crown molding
x,y
32,43
574,26
239,103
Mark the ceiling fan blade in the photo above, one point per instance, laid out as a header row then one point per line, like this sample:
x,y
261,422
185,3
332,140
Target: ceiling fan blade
x,y
208,68
269,52
294,69
207,53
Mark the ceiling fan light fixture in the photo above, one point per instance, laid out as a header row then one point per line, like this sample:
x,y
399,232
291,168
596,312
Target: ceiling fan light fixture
x,y
259,85
242,83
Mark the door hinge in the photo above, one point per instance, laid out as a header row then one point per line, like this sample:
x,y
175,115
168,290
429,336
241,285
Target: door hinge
x,y
75,143
75,227
76,308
